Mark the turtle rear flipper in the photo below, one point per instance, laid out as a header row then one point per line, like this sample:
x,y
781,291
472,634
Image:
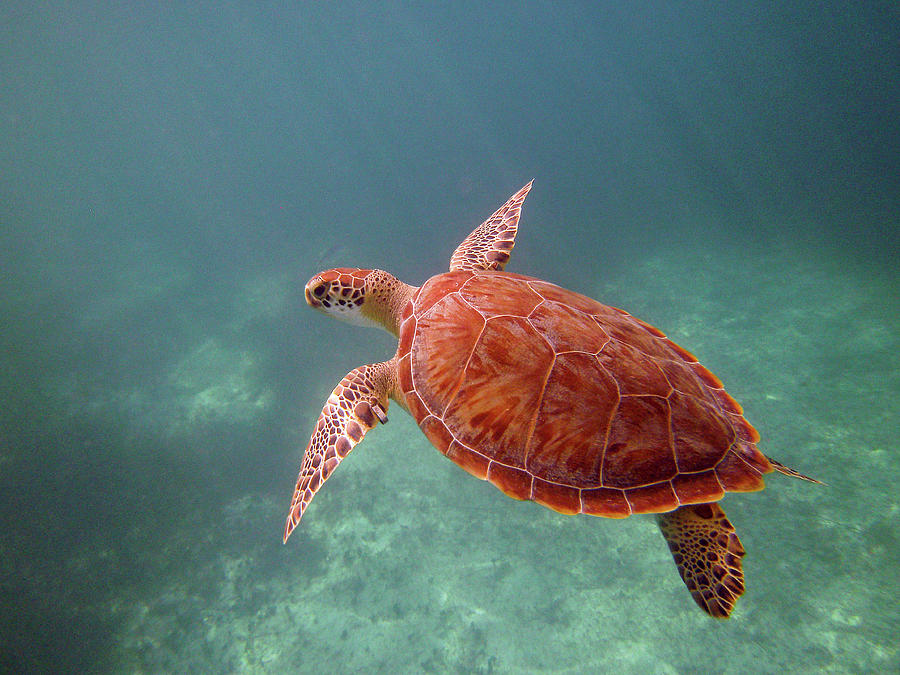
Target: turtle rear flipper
x,y
708,555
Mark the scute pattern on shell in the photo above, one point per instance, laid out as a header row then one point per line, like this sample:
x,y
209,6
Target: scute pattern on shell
x,y
557,398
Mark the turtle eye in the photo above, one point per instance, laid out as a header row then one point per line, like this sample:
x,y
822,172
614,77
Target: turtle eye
x,y
319,290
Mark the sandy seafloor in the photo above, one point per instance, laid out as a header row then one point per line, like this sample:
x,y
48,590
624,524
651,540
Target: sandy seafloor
x,y
404,563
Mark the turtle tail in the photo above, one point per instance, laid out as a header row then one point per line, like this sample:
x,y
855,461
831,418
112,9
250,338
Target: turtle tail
x,y
788,471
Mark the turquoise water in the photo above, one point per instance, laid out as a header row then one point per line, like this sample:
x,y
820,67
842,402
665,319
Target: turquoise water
x,y
170,179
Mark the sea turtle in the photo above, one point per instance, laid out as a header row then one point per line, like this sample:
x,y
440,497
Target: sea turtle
x,y
549,395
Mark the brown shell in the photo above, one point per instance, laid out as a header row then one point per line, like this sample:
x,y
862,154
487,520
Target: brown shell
x,y
557,398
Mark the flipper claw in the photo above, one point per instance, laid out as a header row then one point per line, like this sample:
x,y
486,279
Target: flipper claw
x,y
380,413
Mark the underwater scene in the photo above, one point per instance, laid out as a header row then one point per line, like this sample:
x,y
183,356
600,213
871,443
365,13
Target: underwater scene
x,y
172,175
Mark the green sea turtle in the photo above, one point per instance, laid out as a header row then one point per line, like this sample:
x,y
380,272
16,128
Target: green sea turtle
x,y
549,395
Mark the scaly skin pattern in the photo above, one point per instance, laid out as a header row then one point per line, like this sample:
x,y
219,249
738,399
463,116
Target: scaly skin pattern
x,y
489,245
356,405
707,553
363,297
549,395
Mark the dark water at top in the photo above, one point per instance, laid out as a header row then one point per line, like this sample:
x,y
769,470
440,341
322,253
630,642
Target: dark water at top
x,y
171,176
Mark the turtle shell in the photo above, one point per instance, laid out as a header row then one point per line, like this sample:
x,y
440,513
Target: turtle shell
x,y
557,398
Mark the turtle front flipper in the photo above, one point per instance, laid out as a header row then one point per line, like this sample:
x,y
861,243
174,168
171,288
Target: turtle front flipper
x,y
489,245
356,405
708,555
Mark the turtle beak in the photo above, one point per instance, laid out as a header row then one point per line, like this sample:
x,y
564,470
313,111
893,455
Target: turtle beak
x,y
315,289
310,300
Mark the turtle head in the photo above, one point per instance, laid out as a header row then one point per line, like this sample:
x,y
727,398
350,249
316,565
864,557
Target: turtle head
x,y
361,297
